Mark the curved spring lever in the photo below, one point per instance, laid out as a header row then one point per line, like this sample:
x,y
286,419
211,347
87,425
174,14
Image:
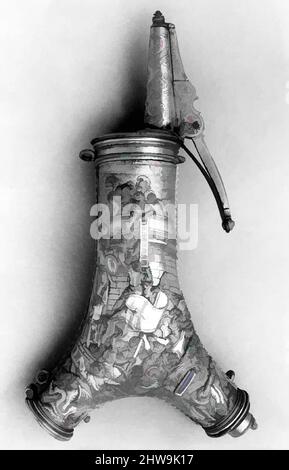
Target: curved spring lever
x,y
213,177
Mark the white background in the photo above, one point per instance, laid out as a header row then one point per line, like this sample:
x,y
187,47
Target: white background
x,y
74,69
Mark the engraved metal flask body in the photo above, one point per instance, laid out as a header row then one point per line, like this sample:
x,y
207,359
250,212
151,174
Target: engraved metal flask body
x,y
137,337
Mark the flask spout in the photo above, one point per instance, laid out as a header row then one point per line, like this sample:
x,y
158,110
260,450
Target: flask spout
x,y
170,106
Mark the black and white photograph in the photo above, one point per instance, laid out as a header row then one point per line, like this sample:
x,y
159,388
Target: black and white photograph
x,y
144,228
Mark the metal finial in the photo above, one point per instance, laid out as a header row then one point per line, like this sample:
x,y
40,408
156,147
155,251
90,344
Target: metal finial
x,y
158,18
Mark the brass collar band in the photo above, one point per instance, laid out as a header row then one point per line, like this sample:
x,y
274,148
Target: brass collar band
x,y
238,422
143,145
54,429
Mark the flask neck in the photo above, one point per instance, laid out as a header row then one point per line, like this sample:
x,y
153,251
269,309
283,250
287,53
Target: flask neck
x,y
136,200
